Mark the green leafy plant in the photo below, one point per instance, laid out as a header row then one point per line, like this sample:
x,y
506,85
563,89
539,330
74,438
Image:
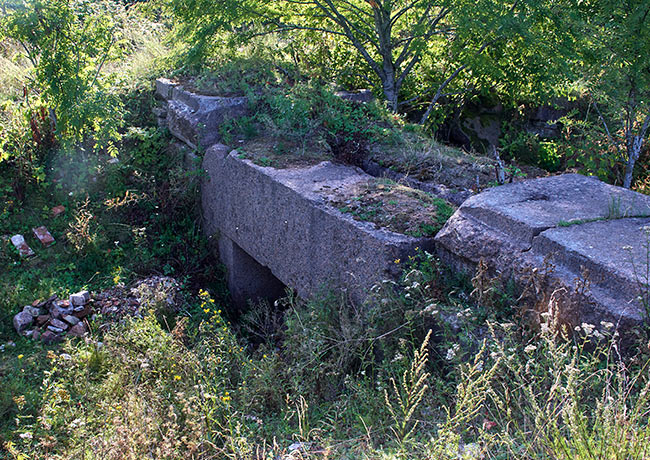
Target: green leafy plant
x,y
68,43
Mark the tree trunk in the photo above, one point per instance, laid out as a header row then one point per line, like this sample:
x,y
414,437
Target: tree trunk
x,y
390,93
389,80
633,153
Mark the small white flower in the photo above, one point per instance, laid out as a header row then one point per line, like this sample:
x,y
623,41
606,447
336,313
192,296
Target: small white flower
x,y
26,436
451,354
530,348
588,328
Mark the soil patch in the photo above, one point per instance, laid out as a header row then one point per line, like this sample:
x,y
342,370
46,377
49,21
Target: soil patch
x,y
282,153
395,207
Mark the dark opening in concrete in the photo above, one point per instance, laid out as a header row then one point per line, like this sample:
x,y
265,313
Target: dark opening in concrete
x,y
248,280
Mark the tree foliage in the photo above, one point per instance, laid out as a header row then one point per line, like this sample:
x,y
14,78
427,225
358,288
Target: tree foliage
x,y
392,38
613,39
68,43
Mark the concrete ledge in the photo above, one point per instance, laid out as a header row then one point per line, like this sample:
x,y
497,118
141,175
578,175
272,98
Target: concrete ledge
x,y
568,229
281,220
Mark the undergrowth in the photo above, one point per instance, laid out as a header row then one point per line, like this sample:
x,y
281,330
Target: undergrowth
x,y
388,381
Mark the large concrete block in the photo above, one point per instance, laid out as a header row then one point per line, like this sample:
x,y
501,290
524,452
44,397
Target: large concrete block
x,y
586,237
280,218
196,119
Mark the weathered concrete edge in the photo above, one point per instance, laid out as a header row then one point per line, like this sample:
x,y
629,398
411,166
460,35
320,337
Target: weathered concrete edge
x,y
521,260
195,119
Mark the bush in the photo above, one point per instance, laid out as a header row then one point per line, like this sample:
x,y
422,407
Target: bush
x,y
68,43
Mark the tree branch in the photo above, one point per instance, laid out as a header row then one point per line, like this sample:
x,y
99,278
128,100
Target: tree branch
x,y
609,135
444,84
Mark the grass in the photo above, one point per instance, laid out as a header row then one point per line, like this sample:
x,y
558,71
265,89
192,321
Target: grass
x,y
432,367
386,381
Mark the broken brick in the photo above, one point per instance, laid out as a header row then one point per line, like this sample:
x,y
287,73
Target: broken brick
x,y
78,330
79,298
19,242
43,236
42,319
56,210
49,337
57,323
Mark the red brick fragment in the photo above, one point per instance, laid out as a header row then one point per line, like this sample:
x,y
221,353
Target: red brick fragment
x,y
56,210
42,319
83,313
43,236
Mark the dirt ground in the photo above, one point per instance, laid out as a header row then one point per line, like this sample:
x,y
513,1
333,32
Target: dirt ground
x,y
395,207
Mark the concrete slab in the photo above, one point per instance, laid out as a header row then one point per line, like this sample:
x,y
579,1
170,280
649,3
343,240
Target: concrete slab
x,y
281,219
194,118
591,238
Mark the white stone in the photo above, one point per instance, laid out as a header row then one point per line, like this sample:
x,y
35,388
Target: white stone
x,y
79,298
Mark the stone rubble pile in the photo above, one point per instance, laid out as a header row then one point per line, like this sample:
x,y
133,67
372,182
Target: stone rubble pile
x,y
53,319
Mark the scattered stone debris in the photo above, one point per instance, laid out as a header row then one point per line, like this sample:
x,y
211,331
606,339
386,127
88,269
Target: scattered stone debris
x,y
20,244
50,319
53,319
44,236
57,210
